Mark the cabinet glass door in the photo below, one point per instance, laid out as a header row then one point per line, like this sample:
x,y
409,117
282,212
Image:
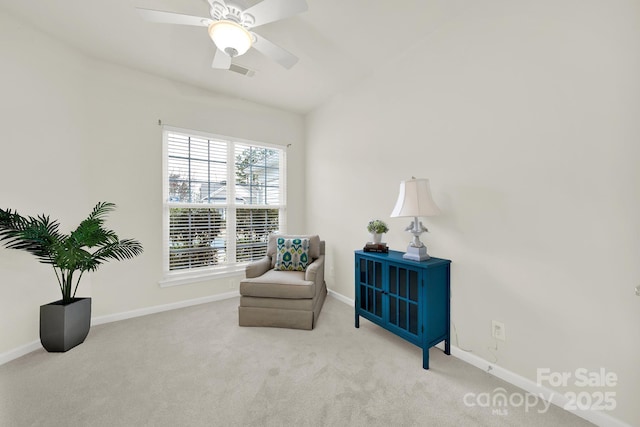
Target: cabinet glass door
x,y
370,286
403,298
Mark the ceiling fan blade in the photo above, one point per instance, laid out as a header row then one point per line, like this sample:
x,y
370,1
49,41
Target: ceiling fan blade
x,y
221,60
163,17
273,10
274,52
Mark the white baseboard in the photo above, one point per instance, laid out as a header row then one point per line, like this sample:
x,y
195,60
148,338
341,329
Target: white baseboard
x,y
341,298
12,354
558,399
160,308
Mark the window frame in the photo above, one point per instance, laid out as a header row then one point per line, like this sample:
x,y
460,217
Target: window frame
x,y
229,268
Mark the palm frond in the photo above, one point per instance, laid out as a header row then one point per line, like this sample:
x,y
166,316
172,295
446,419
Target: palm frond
x,y
67,254
70,257
34,235
101,209
90,232
11,224
119,250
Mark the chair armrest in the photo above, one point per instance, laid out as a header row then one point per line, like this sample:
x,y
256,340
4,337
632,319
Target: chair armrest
x,y
314,269
258,268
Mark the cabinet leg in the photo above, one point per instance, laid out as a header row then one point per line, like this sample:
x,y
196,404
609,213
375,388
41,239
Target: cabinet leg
x,y
425,358
357,321
447,347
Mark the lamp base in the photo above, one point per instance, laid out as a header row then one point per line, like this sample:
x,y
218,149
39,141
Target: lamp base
x,y
416,254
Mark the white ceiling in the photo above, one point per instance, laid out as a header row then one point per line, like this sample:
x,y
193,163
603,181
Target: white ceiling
x,y
339,42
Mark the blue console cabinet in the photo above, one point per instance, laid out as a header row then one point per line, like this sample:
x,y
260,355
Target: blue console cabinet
x,y
408,298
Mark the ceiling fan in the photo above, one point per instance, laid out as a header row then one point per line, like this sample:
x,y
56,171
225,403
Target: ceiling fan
x,y
230,27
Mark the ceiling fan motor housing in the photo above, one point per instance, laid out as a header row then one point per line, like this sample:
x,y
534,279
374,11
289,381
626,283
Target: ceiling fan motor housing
x,y
230,12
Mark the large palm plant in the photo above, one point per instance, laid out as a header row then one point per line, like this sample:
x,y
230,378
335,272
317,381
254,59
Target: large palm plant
x,y
85,249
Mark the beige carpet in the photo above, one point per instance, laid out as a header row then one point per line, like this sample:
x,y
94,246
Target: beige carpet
x,y
196,367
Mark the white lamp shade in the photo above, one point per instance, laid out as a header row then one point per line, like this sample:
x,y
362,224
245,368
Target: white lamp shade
x,y
229,37
415,199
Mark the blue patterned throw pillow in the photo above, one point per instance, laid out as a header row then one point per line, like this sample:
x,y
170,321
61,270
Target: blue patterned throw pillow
x,y
292,254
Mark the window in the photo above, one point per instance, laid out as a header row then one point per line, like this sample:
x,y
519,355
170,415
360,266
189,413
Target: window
x,y
223,198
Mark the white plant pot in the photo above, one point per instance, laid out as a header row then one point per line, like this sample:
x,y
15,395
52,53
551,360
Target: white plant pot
x,y
377,238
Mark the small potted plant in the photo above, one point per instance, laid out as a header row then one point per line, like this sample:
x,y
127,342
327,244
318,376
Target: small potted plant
x,y
377,227
65,323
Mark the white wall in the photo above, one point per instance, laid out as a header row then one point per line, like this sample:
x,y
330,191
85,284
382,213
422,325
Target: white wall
x,y
524,115
43,120
76,131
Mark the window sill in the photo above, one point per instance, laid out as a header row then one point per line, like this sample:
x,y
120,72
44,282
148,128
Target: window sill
x,y
186,278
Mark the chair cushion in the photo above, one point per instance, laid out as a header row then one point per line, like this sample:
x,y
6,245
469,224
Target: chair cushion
x,y
293,254
278,284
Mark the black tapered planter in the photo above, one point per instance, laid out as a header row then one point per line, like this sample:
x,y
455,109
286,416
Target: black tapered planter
x,y
64,326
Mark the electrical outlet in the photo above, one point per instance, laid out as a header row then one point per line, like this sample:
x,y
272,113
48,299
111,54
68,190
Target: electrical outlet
x,y
497,330
638,290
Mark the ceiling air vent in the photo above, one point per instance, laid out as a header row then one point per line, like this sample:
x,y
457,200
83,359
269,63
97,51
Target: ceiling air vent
x,y
241,70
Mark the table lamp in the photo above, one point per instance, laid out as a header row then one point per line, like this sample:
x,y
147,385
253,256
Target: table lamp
x,y
414,200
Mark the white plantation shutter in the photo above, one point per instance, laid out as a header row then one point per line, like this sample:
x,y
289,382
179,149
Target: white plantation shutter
x,y
253,226
197,168
194,238
258,174
222,200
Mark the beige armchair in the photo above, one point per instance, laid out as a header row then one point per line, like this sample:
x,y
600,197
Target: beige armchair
x,y
283,299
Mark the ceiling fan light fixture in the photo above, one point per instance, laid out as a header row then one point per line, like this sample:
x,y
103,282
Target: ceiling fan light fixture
x,y
230,37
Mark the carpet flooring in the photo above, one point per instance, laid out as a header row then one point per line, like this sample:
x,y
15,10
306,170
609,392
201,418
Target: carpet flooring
x,y
196,367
